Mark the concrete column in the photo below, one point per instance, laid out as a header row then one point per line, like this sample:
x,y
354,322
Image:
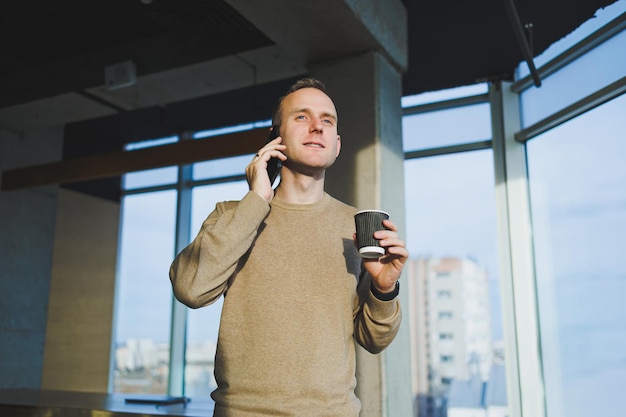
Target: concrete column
x,y
27,223
82,289
369,174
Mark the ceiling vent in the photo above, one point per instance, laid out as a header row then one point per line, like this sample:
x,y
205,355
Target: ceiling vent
x,y
120,75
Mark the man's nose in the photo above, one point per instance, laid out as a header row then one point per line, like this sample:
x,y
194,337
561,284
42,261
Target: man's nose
x,y
316,125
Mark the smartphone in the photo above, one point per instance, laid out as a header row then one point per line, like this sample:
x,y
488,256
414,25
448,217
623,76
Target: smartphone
x,y
274,164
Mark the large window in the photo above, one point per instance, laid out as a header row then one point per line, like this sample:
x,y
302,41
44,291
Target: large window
x,y
455,317
474,197
144,355
578,194
574,133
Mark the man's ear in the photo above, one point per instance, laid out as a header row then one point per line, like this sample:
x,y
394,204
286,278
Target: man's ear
x,y
338,145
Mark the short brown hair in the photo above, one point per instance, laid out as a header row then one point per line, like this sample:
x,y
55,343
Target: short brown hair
x,y
302,83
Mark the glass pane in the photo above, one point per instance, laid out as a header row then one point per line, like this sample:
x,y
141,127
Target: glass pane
x,y
442,95
223,167
144,294
231,129
593,71
454,296
447,127
203,323
150,177
578,200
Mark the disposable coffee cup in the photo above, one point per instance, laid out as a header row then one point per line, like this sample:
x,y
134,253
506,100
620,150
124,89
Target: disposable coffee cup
x,y
367,222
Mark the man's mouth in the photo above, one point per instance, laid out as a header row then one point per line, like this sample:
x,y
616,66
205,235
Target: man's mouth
x,y
314,144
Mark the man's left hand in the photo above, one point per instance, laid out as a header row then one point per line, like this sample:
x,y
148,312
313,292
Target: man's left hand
x,y
386,270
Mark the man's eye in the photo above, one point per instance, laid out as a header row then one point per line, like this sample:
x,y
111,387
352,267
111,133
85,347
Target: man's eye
x,y
301,117
328,121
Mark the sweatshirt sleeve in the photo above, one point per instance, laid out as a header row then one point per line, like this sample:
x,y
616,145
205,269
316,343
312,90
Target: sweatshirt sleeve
x,y
199,274
376,322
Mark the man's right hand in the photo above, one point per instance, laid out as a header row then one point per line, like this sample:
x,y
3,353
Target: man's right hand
x,y
256,171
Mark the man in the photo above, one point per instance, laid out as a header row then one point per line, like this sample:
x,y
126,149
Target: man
x,y
296,293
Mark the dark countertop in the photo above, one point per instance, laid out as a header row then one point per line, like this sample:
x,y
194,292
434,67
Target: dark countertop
x,y
36,403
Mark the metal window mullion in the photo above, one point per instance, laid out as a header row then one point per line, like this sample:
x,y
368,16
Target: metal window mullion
x,y
178,323
525,388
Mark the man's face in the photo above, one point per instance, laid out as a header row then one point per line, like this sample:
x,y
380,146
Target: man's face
x,y
309,131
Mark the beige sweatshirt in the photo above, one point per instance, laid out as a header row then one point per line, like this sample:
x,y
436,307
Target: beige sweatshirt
x,y
294,302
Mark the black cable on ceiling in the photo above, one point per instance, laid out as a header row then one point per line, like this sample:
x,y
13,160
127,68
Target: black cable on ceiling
x,y
522,40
